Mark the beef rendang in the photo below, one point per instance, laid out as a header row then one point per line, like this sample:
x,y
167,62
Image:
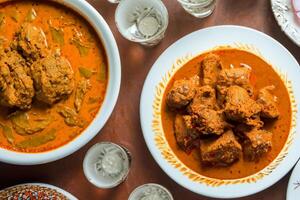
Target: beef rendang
x,y
226,114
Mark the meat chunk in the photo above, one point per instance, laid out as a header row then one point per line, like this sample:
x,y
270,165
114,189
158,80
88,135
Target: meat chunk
x,y
268,102
254,122
210,68
184,133
235,76
256,144
182,92
53,78
205,98
16,87
220,152
208,121
239,106
31,42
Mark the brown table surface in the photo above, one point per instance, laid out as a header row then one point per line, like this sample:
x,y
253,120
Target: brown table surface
x,y
123,127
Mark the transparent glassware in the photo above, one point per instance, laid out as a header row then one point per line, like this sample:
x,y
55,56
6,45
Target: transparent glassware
x,y
151,191
106,165
114,1
198,8
142,21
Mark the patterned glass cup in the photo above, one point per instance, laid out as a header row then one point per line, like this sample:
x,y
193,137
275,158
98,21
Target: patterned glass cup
x,y
106,165
114,1
142,21
198,8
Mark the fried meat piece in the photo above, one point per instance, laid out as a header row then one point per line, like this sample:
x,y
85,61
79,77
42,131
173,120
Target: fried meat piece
x,y
268,102
239,106
233,76
210,69
16,86
53,78
182,92
31,42
257,143
205,98
185,134
222,151
208,121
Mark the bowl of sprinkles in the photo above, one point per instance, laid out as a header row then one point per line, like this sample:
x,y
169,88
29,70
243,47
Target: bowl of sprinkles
x,y
35,191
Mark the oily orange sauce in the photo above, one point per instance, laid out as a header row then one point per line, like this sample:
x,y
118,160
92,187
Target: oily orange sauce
x,y
262,75
95,60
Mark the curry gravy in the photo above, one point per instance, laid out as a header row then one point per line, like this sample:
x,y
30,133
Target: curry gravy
x,y
262,75
56,15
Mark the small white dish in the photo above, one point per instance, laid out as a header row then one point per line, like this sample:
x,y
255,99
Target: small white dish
x,y
172,59
286,18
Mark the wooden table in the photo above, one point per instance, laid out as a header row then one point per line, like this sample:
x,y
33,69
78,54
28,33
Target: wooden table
x,y
123,127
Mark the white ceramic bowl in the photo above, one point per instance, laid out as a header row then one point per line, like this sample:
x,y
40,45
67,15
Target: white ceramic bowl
x,y
181,52
114,65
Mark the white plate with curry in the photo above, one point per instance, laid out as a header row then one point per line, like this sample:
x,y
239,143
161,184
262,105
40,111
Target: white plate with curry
x,y
219,111
60,77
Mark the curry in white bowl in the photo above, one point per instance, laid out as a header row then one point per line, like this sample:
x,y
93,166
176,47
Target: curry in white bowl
x,y
53,75
226,114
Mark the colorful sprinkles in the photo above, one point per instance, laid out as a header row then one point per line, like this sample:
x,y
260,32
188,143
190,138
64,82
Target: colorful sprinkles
x,y
31,192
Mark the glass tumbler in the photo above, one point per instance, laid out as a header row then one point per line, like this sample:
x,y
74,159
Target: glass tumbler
x,y
142,21
114,1
106,164
198,8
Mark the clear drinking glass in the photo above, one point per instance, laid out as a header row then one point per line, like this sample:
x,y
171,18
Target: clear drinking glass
x,y
114,1
151,191
106,165
142,21
198,8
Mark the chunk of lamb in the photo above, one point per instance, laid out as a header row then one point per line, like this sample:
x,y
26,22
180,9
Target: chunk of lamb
x,y
16,86
208,121
233,76
268,102
257,143
31,42
186,136
222,151
210,68
240,107
205,98
182,92
53,78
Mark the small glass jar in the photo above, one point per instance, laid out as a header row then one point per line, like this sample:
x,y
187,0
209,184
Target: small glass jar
x,y
106,165
114,1
198,8
142,21
150,191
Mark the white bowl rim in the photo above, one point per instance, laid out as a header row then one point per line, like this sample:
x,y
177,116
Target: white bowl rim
x,y
114,80
160,160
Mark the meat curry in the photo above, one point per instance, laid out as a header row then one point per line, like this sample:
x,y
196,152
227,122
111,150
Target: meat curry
x,y
226,114
53,75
